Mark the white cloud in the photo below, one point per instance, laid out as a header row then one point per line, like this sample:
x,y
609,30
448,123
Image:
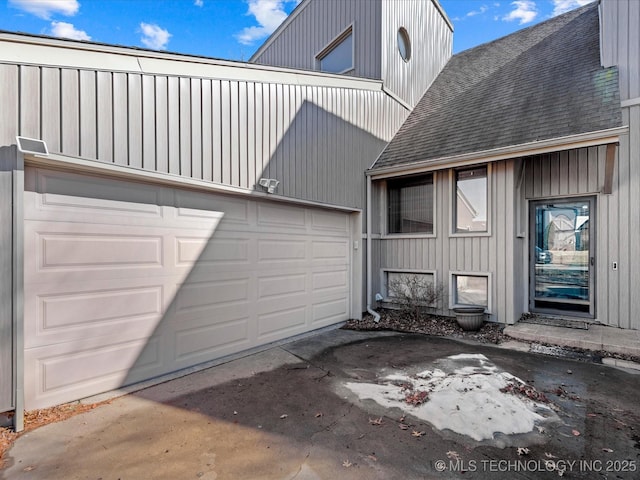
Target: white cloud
x,y
562,6
524,10
481,10
198,3
268,13
46,8
67,30
154,36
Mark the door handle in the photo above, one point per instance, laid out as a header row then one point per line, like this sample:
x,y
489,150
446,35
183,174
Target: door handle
x,y
592,261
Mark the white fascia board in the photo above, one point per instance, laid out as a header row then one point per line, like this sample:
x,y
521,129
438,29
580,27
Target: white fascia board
x,y
83,165
571,142
27,50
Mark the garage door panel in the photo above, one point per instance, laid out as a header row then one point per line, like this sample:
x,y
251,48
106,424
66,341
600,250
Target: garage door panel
x,y
329,250
330,281
281,323
273,215
72,197
283,285
202,343
329,223
330,310
211,251
68,312
281,251
71,370
206,295
195,206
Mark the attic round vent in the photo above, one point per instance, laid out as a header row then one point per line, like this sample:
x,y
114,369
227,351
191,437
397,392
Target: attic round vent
x,y
404,44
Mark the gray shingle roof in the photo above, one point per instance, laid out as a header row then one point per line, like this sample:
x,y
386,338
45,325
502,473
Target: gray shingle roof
x,y
539,83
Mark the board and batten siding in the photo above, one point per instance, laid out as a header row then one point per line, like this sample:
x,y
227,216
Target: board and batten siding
x,y
620,304
315,25
316,140
444,254
620,33
581,173
431,40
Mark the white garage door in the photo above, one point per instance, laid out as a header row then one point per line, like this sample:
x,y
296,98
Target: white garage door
x,y
125,281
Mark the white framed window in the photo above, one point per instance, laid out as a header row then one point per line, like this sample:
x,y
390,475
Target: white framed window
x,y
403,282
471,207
411,205
470,289
337,56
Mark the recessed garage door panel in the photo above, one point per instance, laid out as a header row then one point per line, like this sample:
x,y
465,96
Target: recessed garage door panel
x,y
127,281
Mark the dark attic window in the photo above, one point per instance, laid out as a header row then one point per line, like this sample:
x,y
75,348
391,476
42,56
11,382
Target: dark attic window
x,y
410,202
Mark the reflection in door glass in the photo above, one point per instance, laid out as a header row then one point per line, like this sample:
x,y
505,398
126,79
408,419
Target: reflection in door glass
x,y
562,256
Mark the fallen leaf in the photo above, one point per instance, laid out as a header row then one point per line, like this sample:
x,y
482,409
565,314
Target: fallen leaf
x,y
403,426
592,415
29,468
453,455
284,415
576,433
235,413
375,421
373,457
418,434
319,414
346,463
523,451
402,418
550,455
608,450
569,372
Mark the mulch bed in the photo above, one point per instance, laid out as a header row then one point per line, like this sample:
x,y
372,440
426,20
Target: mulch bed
x,y
427,324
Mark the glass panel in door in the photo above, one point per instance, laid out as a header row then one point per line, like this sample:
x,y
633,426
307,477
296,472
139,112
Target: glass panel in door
x,y
561,260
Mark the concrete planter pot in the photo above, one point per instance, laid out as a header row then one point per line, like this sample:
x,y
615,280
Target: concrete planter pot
x,y
470,318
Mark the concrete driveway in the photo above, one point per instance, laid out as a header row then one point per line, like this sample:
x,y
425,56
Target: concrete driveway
x,y
356,405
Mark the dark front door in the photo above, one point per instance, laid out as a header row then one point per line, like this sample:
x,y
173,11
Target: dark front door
x,y
561,257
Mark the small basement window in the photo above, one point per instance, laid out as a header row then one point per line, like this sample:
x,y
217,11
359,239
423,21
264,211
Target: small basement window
x,y
410,285
470,290
337,57
410,205
471,194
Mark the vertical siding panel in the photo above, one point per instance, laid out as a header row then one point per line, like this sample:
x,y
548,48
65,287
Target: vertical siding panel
x,y
563,178
243,180
573,171
88,115
235,137
9,94
149,139
161,124
105,116
583,170
272,126
259,131
225,98
120,124
625,261
29,100
185,126
173,109
70,108
251,135
266,129
592,156
207,138
217,129
288,173
196,128
634,222
50,90
134,84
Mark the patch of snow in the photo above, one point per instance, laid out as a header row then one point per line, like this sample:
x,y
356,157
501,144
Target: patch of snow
x,y
464,397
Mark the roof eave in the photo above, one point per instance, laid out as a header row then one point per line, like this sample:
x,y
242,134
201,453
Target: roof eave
x,y
589,139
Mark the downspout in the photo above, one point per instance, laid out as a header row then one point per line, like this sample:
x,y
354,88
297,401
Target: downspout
x,y
376,316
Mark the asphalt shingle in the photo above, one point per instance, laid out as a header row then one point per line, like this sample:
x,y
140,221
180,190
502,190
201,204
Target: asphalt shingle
x,y
540,83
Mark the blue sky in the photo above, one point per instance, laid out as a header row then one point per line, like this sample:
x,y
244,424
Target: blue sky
x,y
234,29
